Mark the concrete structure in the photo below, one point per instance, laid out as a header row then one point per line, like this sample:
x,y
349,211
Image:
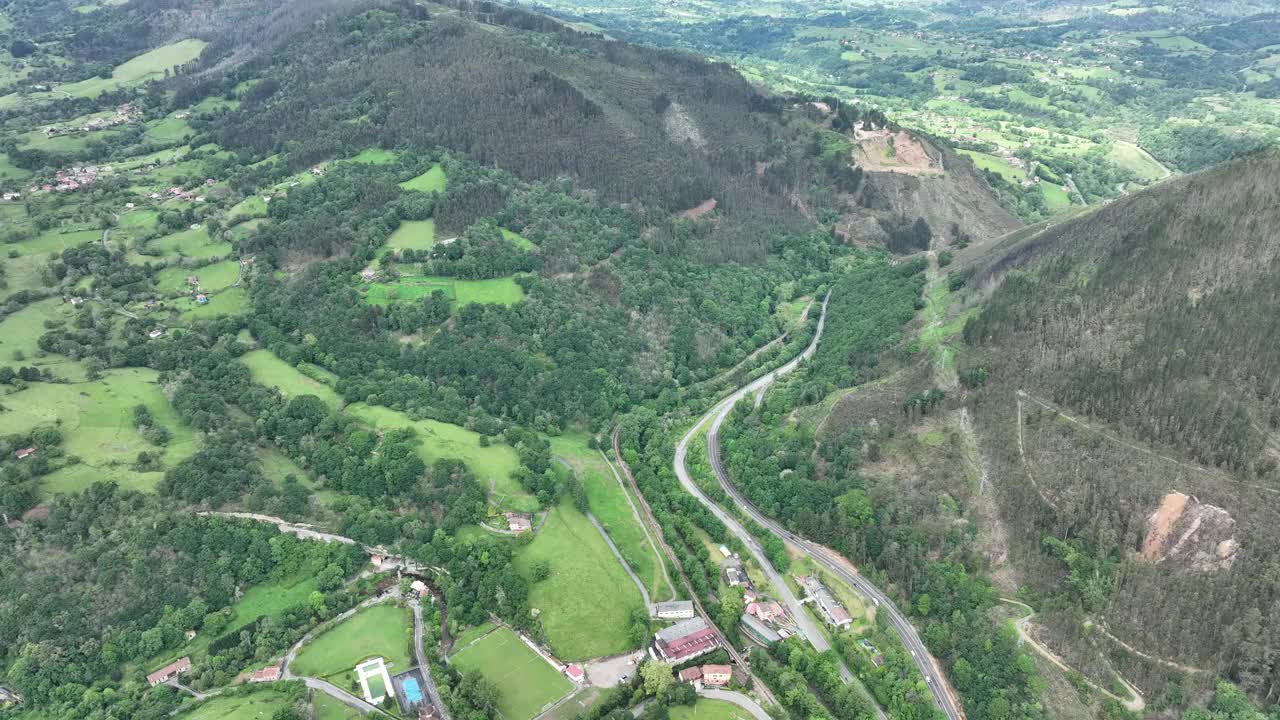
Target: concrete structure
x,y
169,672
831,610
266,674
684,641
375,669
758,632
735,577
674,610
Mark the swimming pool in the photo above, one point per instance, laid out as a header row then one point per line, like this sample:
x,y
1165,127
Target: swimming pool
x,y
412,693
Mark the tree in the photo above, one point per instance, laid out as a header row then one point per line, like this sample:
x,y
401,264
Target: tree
x,y
657,677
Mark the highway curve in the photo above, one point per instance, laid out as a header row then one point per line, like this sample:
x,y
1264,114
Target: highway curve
x,y
943,697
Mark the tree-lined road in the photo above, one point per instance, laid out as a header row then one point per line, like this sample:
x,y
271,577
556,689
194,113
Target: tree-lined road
x,y
944,698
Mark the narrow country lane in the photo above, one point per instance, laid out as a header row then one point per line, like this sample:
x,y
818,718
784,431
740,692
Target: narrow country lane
x,y
944,697
433,692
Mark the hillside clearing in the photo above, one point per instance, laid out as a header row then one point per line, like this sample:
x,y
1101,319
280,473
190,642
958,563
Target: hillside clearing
x,y
271,371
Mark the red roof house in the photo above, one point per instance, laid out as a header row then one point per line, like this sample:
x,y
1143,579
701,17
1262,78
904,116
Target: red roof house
x,y
25,453
266,674
169,672
689,675
716,675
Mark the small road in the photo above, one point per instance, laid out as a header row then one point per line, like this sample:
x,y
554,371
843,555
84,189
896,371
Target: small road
x,y
738,699
644,592
305,532
944,697
343,696
433,693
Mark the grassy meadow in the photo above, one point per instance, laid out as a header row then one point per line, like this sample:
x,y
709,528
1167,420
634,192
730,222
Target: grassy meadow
x,y
577,623
410,288
218,276
433,180
527,682
705,709
379,631
269,370
259,705
413,235
190,243
233,301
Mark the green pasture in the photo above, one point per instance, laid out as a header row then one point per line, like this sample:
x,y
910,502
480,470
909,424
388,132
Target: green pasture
x,y
276,466
9,171
217,276
997,165
433,180
167,130
148,66
375,156
1136,160
251,207
20,332
578,625
96,419
138,219
68,144
324,707
260,705
413,235
518,240
379,631
269,370
1055,198
232,301
492,465
608,502
528,683
22,273
411,288
56,241
190,243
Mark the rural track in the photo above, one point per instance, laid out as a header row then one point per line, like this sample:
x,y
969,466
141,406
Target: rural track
x,y
943,696
433,692
644,591
644,526
656,533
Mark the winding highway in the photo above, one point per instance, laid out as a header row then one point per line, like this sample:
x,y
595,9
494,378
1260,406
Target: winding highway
x,y
944,698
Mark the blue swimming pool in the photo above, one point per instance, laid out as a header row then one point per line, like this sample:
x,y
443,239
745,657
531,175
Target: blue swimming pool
x,y
412,693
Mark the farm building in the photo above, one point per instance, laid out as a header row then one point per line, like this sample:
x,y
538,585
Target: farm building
x,y
674,610
831,610
169,672
156,334
684,641
518,522
266,674
24,453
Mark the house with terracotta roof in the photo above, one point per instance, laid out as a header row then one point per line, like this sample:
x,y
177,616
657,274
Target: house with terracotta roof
x,y
169,672
716,675
768,610
690,675
575,673
266,674
24,453
518,522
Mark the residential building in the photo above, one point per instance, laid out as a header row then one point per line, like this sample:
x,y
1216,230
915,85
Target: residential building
x,y
684,641
757,632
735,577
690,675
24,453
716,675
169,672
418,587
768,611
674,610
202,299
832,611
266,674
518,522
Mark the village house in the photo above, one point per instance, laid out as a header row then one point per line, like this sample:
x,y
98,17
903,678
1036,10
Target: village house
x,y
735,577
25,453
368,274
266,674
169,672
674,610
716,675
832,611
691,675
202,299
12,196
767,611
518,522
684,641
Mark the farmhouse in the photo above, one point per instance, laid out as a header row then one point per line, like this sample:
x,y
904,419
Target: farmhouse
x,y
690,675
25,453
674,610
266,674
518,522
418,588
684,641
202,299
768,611
833,612
716,675
169,672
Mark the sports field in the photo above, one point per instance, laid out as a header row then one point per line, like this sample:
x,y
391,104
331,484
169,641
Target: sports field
x,y
705,709
433,180
493,466
218,276
527,682
608,502
577,623
271,371
380,631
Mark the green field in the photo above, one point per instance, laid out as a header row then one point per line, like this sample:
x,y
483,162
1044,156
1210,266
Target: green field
x,y
518,240
996,165
492,465
168,130
608,502
269,370
21,331
217,276
56,241
433,180
251,207
96,419
260,705
527,683
190,243
326,708
413,235
148,66
1055,198
145,219
1137,161
233,301
410,288
375,156
9,171
705,709
577,623
380,631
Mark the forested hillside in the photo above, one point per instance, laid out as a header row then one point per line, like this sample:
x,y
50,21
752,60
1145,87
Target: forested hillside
x,y
1128,404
